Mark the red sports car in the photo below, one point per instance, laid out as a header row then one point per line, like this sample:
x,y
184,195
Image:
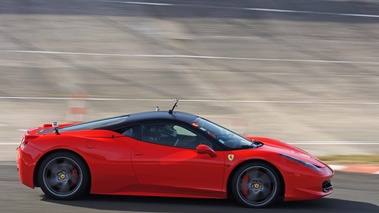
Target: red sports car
x,y
167,153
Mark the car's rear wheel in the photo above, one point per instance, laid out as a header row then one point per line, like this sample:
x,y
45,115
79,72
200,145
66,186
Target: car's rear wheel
x,y
63,176
256,184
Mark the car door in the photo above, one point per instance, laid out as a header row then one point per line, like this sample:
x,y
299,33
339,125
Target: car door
x,y
166,162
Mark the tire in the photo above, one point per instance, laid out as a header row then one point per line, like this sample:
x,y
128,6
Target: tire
x,y
256,184
63,176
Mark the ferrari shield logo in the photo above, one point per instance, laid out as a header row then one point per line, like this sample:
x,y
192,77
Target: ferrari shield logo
x,y
230,157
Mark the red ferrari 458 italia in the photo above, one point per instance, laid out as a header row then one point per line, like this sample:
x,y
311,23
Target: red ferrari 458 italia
x,y
167,153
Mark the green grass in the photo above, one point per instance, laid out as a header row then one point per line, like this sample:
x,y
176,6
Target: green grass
x,y
351,159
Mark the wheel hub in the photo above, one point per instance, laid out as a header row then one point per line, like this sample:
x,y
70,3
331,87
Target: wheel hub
x,y
256,185
62,176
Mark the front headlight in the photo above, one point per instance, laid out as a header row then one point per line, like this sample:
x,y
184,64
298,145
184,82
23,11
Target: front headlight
x,y
309,165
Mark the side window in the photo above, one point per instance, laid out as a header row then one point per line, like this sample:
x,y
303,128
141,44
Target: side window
x,y
132,132
182,131
128,132
150,133
171,135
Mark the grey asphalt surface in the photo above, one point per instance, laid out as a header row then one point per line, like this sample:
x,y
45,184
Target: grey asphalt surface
x,y
305,72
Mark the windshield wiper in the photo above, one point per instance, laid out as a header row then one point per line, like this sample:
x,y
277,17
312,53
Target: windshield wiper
x,y
254,144
248,146
257,143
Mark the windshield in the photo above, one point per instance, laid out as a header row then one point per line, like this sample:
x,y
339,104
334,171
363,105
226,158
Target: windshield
x,y
223,135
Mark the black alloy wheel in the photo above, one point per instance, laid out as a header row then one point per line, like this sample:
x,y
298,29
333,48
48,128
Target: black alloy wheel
x,y
63,176
256,184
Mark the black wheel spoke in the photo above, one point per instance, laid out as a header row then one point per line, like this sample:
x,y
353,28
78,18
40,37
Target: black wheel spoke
x,y
265,192
253,174
52,181
253,196
265,179
53,168
65,187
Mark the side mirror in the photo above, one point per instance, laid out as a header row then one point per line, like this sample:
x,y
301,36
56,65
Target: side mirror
x,y
55,126
204,149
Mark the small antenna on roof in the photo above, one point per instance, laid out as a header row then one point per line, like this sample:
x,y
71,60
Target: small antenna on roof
x,y
173,107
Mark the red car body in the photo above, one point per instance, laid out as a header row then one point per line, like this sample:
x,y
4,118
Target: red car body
x,y
119,164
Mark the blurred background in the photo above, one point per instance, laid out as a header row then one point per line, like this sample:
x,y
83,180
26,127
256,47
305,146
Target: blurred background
x,y
304,72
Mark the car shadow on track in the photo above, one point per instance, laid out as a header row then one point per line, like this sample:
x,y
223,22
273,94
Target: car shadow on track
x,y
159,204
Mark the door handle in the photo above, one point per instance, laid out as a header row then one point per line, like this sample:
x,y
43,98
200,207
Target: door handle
x,y
137,153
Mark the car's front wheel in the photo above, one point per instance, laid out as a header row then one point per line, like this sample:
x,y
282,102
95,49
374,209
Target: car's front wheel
x,y
63,176
256,184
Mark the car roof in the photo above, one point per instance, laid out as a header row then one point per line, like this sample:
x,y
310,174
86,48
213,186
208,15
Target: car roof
x,y
161,115
124,121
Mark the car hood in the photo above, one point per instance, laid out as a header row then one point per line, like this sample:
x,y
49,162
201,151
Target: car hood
x,y
288,150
